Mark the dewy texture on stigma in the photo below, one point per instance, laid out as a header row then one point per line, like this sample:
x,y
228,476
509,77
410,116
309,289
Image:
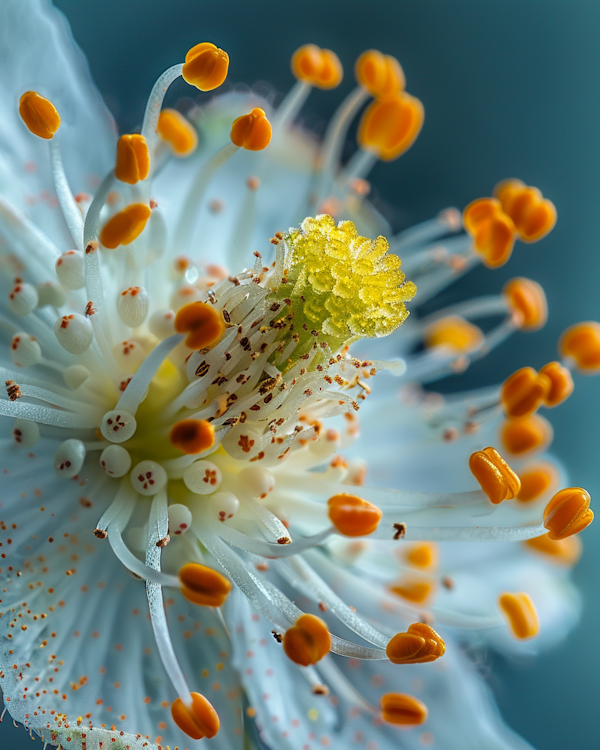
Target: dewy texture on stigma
x,y
231,511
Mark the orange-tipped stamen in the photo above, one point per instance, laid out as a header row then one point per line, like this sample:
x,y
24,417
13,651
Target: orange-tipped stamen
x,y
192,436
493,232
423,555
536,481
568,513
353,516
419,645
389,127
454,333
497,479
203,324
204,586
307,641
177,132
561,384
521,614
205,66
123,228
198,719
414,590
581,343
560,551
252,131
317,67
527,301
524,392
525,435
381,75
533,215
402,709
133,159
39,115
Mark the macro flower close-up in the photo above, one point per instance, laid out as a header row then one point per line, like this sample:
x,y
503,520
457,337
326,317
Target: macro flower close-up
x,y
257,488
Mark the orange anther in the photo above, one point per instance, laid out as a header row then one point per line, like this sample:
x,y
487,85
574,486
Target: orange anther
x,y
414,590
319,67
525,435
520,613
203,324
177,131
536,481
561,551
39,115
353,516
202,585
524,392
534,216
527,301
455,333
252,131
568,513
581,343
389,127
402,709
133,159
192,436
307,641
423,555
198,719
205,66
420,644
497,479
493,232
124,227
561,383
380,74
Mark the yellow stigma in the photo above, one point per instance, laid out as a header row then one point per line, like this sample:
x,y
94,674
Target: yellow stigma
x,y
342,285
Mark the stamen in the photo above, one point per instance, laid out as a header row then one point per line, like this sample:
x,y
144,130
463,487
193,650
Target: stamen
x,y
381,75
205,66
534,216
307,641
402,709
198,719
69,458
177,132
493,232
203,324
68,204
125,226
568,513
39,115
537,480
419,645
353,516
526,435
317,67
192,436
133,159
581,343
562,551
25,350
561,384
252,131
389,127
521,614
74,333
525,391
204,586
115,460
69,269
527,300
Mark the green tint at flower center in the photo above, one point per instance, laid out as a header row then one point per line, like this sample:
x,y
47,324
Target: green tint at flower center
x,y
341,286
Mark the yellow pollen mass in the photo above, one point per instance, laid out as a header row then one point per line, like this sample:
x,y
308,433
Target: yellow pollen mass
x,y
39,115
344,285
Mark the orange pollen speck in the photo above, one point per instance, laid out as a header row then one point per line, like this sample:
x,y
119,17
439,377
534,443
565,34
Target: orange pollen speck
x,y
198,719
192,436
307,641
203,324
204,586
353,516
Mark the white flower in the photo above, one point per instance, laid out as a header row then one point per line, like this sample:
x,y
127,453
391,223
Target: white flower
x,y
170,426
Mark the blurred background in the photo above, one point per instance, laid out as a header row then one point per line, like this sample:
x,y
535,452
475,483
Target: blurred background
x,y
508,92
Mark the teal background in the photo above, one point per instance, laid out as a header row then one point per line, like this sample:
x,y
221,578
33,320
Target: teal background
x,y
510,89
